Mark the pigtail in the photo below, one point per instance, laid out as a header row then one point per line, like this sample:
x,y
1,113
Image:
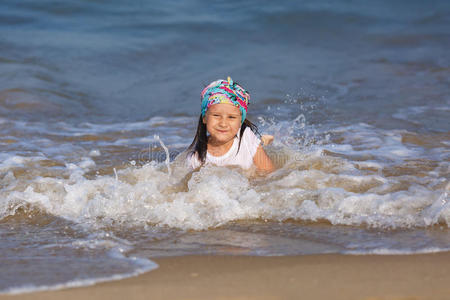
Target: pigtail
x,y
200,142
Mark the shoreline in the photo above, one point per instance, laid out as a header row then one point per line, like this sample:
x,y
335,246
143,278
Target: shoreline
x,y
323,276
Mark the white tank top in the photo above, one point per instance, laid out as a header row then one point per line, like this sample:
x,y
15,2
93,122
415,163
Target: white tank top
x,y
244,158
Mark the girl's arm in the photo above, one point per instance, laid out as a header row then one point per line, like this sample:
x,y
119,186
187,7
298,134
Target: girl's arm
x,y
262,161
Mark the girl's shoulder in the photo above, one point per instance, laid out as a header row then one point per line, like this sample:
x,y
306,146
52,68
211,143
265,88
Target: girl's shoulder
x,y
250,141
249,133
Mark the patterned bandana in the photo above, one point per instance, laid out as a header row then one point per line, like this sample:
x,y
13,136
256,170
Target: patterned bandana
x,y
225,91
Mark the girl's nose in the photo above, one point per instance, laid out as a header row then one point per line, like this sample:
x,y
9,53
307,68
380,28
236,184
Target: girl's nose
x,y
222,122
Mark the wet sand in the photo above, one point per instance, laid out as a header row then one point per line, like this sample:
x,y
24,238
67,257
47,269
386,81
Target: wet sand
x,y
346,277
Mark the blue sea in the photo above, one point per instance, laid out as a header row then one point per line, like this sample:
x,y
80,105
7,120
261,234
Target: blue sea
x,y
99,99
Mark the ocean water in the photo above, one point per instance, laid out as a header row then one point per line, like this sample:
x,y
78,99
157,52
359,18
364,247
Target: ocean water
x,y
98,101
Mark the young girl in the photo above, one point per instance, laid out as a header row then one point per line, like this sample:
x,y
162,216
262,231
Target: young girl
x,y
224,136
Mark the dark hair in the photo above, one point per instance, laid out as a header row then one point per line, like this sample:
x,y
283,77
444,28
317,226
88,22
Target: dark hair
x,y
200,142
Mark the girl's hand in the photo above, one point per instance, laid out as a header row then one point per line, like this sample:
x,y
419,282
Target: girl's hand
x,y
266,139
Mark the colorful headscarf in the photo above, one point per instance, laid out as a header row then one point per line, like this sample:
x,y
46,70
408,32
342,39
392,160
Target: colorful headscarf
x,y
225,91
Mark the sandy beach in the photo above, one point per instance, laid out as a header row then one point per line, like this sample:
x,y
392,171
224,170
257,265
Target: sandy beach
x,y
407,277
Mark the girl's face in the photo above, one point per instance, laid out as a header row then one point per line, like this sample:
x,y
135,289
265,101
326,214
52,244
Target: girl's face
x,y
223,122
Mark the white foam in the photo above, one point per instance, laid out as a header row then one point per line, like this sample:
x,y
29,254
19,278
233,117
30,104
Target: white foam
x,y
86,163
408,113
146,266
214,196
371,141
412,113
94,153
387,251
9,161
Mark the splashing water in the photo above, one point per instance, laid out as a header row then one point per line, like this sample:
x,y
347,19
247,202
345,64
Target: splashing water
x,y
361,176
